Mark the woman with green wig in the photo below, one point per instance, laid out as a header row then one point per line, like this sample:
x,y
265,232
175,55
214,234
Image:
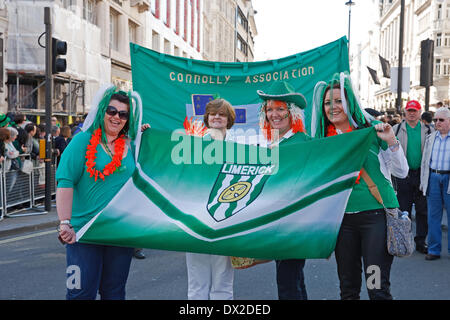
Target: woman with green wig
x,y
93,168
336,110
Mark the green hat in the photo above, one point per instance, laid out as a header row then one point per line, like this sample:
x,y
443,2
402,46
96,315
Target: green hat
x,y
4,120
283,91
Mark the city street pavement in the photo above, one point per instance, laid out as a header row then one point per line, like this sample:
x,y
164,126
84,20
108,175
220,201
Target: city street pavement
x,y
32,264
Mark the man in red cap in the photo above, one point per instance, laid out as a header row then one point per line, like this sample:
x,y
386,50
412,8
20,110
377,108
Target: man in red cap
x,y
412,133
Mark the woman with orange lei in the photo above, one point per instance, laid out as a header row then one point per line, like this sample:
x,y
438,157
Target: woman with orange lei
x,y
93,168
362,236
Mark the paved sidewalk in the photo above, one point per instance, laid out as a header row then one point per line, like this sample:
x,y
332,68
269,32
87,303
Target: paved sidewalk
x,y
24,221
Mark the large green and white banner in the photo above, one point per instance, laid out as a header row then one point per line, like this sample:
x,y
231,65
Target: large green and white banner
x,y
285,202
197,195
173,88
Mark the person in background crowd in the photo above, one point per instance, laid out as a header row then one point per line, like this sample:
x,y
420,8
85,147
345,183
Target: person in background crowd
x,y
19,120
412,134
427,119
282,118
62,141
55,122
434,180
12,162
363,231
55,151
4,135
210,276
30,129
4,120
78,127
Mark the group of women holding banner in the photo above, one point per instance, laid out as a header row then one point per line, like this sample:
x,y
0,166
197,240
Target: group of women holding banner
x,y
109,141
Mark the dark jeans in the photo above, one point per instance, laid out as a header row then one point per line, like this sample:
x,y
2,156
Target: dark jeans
x,y
408,193
363,235
290,279
100,268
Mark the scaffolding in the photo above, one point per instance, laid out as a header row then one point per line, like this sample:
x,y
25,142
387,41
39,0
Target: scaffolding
x,y
87,69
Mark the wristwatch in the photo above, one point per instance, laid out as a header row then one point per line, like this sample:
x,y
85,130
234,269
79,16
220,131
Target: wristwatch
x,y
66,222
395,146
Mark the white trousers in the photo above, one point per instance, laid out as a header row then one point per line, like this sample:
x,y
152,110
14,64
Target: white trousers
x,y
210,277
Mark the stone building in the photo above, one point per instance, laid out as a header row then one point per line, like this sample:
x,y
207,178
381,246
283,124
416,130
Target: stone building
x,y
423,19
229,29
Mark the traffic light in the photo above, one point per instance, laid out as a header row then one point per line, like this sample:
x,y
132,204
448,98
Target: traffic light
x,y
59,48
426,62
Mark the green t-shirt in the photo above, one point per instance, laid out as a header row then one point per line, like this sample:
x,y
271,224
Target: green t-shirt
x,y
90,196
413,149
361,199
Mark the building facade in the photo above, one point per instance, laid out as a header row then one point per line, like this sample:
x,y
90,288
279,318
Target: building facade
x,y
228,30
98,33
423,19
3,34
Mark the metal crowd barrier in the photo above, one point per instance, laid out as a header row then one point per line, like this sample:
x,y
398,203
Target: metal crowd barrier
x,y
21,189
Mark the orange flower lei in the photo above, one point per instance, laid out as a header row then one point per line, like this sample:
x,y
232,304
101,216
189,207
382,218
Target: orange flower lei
x,y
331,131
119,148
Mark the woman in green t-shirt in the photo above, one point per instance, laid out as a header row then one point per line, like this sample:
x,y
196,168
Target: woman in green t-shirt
x,y
362,234
93,168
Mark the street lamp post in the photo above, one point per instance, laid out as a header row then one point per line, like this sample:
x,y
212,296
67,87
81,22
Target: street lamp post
x,y
349,4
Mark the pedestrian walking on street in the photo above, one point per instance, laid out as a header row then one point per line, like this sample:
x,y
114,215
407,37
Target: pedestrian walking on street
x,y
434,180
108,137
363,230
412,134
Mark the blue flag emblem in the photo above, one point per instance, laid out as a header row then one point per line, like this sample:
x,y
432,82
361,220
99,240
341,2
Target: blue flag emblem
x,y
199,102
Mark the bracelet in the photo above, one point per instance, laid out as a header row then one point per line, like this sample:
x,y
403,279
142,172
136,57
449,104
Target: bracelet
x,y
64,222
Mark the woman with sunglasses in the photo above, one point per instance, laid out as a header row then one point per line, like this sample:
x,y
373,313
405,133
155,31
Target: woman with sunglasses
x,y
93,168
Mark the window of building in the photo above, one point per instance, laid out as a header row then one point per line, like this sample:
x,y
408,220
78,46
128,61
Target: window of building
x,y
437,67
242,20
438,39
173,14
89,10
153,7
447,11
163,10
446,66
241,45
155,41
132,31
439,12
114,30
167,46
447,40
189,22
181,18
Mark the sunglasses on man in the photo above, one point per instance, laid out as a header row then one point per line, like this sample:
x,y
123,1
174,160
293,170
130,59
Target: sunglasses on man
x,y
112,111
438,120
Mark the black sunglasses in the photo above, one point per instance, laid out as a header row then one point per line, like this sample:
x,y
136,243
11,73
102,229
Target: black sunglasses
x,y
112,111
439,119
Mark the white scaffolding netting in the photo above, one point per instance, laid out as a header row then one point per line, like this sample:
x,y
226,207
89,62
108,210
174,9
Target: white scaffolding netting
x,y
85,61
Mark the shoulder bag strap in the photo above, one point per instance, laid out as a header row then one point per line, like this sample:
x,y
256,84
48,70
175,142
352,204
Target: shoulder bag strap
x,y
372,186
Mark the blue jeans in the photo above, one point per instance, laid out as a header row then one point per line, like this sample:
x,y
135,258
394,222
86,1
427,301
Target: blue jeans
x,y
291,280
100,268
437,196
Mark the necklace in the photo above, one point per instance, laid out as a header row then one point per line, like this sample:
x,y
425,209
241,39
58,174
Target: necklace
x,y
119,148
331,131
